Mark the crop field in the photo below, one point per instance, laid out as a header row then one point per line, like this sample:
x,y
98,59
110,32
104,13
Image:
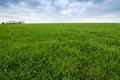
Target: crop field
x,y
60,51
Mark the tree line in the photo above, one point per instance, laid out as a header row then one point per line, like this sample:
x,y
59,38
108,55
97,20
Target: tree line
x,y
13,22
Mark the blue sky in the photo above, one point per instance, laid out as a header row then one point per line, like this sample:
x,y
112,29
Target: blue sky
x,y
60,11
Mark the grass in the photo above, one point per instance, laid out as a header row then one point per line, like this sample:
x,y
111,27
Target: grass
x,y
60,51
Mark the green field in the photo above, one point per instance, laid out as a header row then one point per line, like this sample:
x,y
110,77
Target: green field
x,y
60,51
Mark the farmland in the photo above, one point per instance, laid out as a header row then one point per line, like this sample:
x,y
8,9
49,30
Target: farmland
x,y
60,51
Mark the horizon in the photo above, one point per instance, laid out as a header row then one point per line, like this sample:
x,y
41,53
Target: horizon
x,y
60,11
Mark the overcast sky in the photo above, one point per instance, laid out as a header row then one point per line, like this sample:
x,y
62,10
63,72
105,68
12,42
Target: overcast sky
x,y
45,11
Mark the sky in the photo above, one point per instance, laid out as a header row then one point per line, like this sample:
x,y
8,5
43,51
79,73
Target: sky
x,y
60,11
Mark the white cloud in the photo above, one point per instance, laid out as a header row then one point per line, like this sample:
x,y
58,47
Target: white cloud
x,y
61,3
100,19
24,12
60,11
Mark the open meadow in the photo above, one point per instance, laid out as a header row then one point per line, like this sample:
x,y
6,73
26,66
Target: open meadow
x,y
60,51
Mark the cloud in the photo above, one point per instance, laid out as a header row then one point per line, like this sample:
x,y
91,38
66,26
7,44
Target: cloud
x,y
44,11
61,3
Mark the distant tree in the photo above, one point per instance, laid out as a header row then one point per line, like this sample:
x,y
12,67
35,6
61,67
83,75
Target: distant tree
x,y
21,22
13,22
3,22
